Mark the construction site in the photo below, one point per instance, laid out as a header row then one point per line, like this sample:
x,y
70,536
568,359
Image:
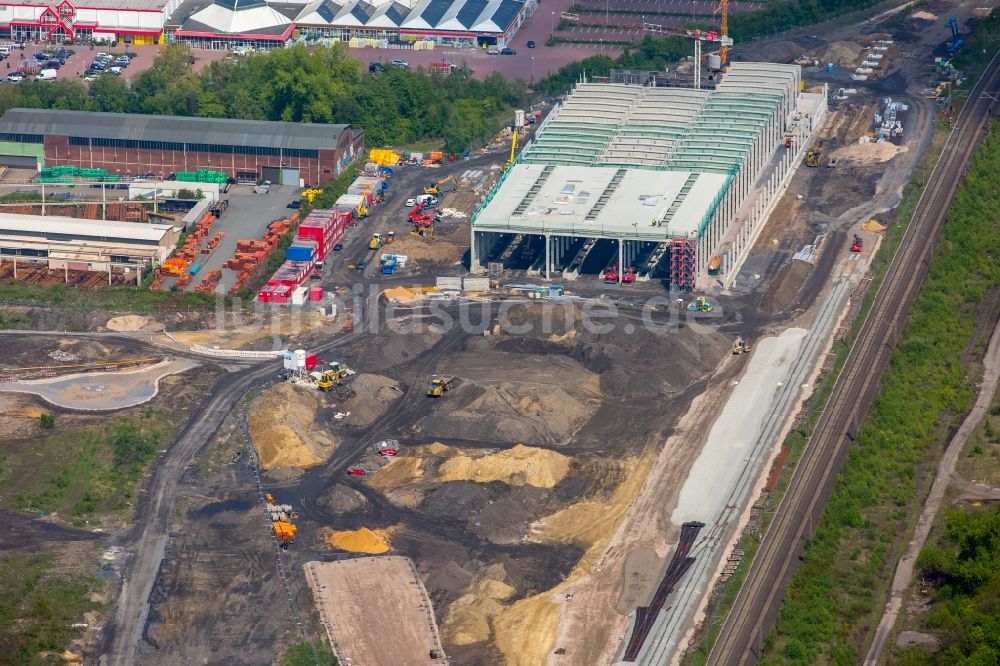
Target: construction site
x,y
465,457
669,183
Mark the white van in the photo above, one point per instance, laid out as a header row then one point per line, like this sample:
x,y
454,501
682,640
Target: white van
x,y
46,75
493,50
5,50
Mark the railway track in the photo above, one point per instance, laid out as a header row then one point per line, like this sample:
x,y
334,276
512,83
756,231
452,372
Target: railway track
x,y
756,605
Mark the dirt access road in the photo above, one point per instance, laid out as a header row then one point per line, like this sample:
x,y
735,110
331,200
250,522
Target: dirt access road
x,y
904,571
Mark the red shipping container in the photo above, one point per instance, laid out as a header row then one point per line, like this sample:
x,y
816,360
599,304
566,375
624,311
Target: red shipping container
x,y
315,294
312,360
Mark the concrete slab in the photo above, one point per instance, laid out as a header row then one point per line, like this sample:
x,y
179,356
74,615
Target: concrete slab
x,y
725,456
101,391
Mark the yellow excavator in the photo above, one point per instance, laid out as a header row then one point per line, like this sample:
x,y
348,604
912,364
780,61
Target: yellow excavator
x,y
448,184
332,376
438,385
513,147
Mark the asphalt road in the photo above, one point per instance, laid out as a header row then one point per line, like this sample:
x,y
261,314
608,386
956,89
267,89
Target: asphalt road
x,y
757,604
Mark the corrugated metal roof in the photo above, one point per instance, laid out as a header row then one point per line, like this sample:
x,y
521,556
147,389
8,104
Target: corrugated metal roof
x,y
435,10
504,15
35,225
470,12
176,129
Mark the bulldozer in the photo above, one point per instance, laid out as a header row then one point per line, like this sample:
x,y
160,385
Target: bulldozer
x,y
700,304
438,385
814,156
740,346
448,184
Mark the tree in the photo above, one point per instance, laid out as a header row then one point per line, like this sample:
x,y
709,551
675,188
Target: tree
x,y
47,421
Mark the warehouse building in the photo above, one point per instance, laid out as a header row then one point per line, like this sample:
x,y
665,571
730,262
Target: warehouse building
x,y
131,144
128,21
84,245
224,24
674,183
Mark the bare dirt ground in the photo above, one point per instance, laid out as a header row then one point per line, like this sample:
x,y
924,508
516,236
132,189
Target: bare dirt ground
x,y
376,610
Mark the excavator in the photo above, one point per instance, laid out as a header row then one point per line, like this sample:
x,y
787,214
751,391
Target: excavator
x,y
448,184
438,385
329,379
740,346
513,148
700,304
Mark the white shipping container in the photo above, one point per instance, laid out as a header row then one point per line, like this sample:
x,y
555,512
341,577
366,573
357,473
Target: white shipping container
x,y
299,296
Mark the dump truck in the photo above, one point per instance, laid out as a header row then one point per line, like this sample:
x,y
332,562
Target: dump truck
x,y
700,304
356,471
387,448
438,385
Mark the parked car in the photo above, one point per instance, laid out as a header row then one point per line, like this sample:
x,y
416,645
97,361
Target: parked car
x,y
116,70
410,203
53,64
338,247
41,56
400,63
15,77
46,75
493,50
90,77
295,204
376,67
530,44
508,51
361,265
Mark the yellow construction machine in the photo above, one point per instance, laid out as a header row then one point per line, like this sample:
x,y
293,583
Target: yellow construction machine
x,y
438,385
814,156
332,376
513,147
700,304
448,184
741,346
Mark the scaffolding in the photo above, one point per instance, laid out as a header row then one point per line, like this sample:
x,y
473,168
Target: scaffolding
x,y
683,255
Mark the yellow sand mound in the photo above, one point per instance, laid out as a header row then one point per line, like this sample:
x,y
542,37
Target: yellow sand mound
x,y
364,540
468,618
519,466
873,226
282,425
399,472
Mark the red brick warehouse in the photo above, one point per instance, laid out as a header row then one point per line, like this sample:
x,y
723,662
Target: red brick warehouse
x,y
132,144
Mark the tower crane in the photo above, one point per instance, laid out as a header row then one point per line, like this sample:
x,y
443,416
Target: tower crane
x,y
723,11
698,36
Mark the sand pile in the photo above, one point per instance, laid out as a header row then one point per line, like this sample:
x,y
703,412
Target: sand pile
x,y
924,16
364,540
424,251
468,618
133,323
868,154
282,425
839,53
519,466
393,480
372,394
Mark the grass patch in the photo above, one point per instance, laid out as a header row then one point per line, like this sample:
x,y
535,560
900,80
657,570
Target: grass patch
x,y
119,299
92,471
317,653
39,608
834,598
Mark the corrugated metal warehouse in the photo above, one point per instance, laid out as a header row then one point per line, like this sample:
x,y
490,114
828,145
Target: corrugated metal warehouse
x,y
133,144
660,180
84,245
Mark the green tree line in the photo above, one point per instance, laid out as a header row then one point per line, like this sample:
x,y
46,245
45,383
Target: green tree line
x,y
319,85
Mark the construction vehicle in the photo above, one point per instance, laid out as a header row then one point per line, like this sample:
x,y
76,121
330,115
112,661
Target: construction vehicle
x,y
376,242
610,275
956,39
423,232
390,237
700,304
389,264
448,184
438,385
814,156
356,471
328,379
858,245
740,347
284,532
714,265
628,277
513,147
387,448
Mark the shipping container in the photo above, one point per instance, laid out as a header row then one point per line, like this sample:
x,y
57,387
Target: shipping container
x,y
302,250
299,296
312,360
315,294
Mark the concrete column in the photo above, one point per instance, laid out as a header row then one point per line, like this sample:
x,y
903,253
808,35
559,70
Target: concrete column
x,y
473,255
548,256
621,258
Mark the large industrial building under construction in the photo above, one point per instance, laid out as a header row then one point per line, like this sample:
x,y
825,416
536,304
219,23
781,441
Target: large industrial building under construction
x,y
673,182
